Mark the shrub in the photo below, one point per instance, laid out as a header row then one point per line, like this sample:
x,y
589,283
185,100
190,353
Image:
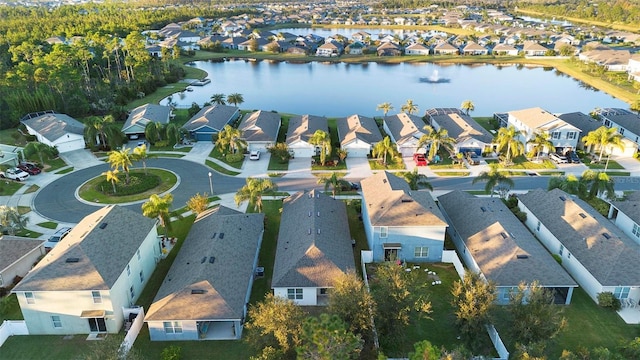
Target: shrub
x,y
607,300
162,143
139,183
237,157
511,202
558,258
3,291
173,352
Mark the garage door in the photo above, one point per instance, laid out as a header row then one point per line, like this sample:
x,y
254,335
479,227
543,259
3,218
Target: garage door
x,y
203,136
303,152
70,145
474,150
357,152
407,151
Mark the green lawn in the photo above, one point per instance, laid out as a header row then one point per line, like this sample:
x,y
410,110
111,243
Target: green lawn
x,y
45,347
51,165
28,233
391,165
220,169
9,308
89,193
48,224
9,187
452,173
521,163
356,228
613,165
216,154
32,189
489,123
65,171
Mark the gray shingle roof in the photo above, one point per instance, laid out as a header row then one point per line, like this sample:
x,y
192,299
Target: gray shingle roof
x,y
390,202
480,222
630,206
232,238
613,261
302,127
358,127
582,121
54,126
260,126
12,248
103,253
214,116
314,243
404,127
623,118
145,114
459,125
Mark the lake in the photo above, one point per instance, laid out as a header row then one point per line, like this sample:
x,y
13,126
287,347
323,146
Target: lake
x,y
343,89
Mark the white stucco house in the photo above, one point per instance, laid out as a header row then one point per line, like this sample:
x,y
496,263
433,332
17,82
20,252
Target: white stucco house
x,y
83,285
529,121
260,129
205,293
405,130
58,130
301,129
314,248
468,134
400,223
357,135
597,254
17,256
626,215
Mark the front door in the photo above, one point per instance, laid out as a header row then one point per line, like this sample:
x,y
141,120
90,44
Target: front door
x,y
390,254
97,325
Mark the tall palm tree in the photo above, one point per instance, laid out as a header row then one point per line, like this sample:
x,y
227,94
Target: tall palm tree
x,y
121,159
435,139
493,177
334,182
385,107
218,99
11,218
140,154
467,106
417,180
42,150
173,133
253,190
598,183
602,138
539,142
112,176
235,99
103,132
508,139
158,207
570,184
383,149
323,140
409,107
153,132
230,138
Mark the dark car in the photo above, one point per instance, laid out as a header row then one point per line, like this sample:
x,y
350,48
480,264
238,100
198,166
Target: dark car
x,y
573,157
29,168
348,185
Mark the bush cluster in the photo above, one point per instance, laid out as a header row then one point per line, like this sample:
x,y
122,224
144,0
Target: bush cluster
x,y
139,183
237,157
608,300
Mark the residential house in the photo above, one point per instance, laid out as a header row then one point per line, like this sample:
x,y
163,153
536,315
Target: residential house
x,y
355,48
174,42
330,49
612,60
17,256
204,295
257,42
143,115
389,49
532,48
401,224
472,48
59,130
314,248
417,49
444,48
154,50
493,242
233,42
633,67
626,215
362,36
598,255
504,49
210,120
628,123
468,134
405,130
357,135
83,284
586,124
260,129
301,128
529,121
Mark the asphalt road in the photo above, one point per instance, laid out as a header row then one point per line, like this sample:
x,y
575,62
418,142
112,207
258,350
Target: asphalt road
x,y
56,201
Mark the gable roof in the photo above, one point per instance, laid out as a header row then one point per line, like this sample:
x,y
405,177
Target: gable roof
x,y
213,116
630,206
103,252
142,115
390,202
260,126
538,118
314,244
404,127
459,125
495,237
54,126
13,248
623,118
356,127
613,261
232,240
301,128
581,121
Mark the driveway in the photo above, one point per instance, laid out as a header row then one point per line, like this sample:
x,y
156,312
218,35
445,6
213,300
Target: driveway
x,y
199,152
80,159
256,168
358,168
300,167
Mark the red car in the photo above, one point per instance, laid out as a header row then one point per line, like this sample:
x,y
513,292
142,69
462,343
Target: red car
x,y
29,168
420,160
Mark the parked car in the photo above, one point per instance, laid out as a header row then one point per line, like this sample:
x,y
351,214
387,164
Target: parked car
x,y
30,168
420,160
472,158
348,185
55,238
558,159
14,174
254,155
573,157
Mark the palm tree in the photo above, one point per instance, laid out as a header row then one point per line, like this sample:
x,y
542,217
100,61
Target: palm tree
x,y
103,132
10,218
602,138
409,107
598,183
140,154
112,176
218,99
540,141
508,138
230,138
569,184
235,99
385,107
417,180
153,132
334,182
342,154
42,150
253,191
383,149
158,207
323,140
435,139
493,177
467,106
121,159
173,133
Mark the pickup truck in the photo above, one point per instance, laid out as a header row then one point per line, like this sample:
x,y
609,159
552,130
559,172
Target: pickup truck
x,y
14,174
420,160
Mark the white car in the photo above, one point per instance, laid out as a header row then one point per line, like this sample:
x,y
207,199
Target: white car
x,y
558,159
14,174
254,155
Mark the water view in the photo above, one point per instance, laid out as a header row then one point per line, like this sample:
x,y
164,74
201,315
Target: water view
x,y
343,89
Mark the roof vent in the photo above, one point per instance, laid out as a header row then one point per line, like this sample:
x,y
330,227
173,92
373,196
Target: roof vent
x,y
484,209
309,232
211,259
203,260
197,291
318,213
221,236
384,181
318,231
582,215
103,225
406,200
72,260
503,234
214,235
309,213
563,198
606,236
522,256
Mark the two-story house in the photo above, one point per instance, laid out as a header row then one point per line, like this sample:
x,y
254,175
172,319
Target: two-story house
x,y
537,120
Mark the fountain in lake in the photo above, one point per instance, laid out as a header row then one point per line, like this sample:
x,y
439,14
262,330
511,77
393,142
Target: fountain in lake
x,y
434,78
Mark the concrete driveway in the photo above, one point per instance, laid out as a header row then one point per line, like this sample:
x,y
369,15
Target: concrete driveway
x,y
300,167
358,168
256,168
80,159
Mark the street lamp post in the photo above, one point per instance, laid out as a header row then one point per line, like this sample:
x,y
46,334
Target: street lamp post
x,y
210,183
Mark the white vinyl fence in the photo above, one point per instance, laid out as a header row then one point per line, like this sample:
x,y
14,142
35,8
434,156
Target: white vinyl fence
x,y
12,327
132,334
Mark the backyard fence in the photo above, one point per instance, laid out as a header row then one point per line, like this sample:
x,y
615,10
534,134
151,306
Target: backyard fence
x,y
450,256
497,343
132,333
12,327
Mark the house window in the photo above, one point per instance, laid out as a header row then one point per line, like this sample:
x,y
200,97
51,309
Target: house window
x,y
571,135
172,327
132,292
538,226
635,231
141,276
621,292
57,323
294,294
621,131
97,298
561,250
384,231
1,282
506,295
30,298
555,135
128,270
421,252
138,254
324,291
607,123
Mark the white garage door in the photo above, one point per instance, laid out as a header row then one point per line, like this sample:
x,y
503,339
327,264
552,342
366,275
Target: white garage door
x,y
72,144
303,152
357,152
407,151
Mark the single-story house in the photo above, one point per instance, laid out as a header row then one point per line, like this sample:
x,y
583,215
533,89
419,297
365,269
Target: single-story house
x,y
143,115
504,49
564,136
628,123
58,130
355,48
493,242
626,215
301,129
260,129
444,48
468,134
417,49
205,293
357,135
389,49
314,248
401,224
83,285
472,48
210,120
611,59
532,48
405,130
17,256
598,255
233,42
